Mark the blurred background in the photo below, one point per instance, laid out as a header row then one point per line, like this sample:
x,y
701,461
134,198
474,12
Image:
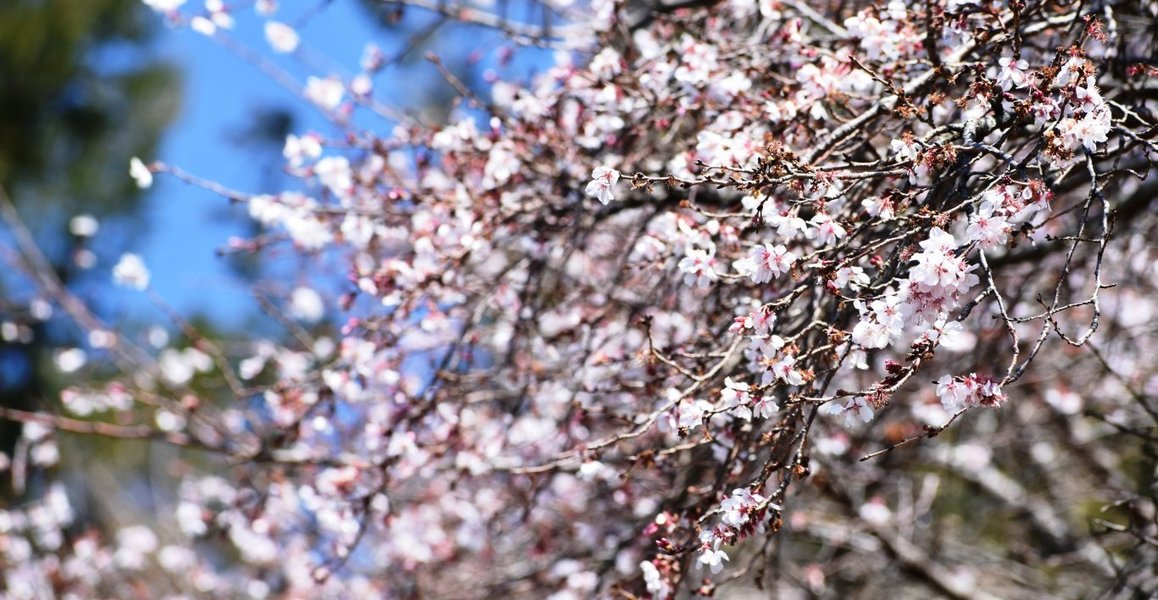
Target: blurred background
x,y
85,86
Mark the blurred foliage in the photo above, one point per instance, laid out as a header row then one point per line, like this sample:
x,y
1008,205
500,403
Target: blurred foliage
x,y
79,95
81,92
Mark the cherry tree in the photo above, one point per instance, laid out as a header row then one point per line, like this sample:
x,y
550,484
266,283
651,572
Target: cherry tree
x,y
829,299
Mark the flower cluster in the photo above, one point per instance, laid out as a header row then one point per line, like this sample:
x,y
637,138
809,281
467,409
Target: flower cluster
x,y
490,381
957,393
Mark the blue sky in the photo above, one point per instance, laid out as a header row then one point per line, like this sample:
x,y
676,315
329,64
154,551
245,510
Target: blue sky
x,y
186,225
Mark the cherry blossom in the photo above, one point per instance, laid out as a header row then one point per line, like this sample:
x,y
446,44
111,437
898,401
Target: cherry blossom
x,y
738,507
987,227
140,173
130,271
470,380
164,5
602,184
827,231
711,555
325,92
766,262
855,410
281,37
83,225
881,323
698,267
1012,73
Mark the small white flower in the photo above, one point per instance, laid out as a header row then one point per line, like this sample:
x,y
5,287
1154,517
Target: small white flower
x,y
307,305
362,85
765,407
140,173
70,360
851,277
34,432
131,272
297,149
1012,73
372,58
203,26
875,512
698,267
856,409
602,182
176,559
905,148
827,231
164,5
326,93
334,172
266,209
764,262
607,64
784,370
307,231
737,508
714,559
219,14
281,37
84,225
169,421
734,393
691,413
652,578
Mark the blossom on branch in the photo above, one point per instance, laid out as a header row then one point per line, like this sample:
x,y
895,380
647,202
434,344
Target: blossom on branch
x,y
602,184
467,382
130,271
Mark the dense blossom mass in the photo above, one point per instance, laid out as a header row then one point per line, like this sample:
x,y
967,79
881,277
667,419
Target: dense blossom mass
x,y
600,332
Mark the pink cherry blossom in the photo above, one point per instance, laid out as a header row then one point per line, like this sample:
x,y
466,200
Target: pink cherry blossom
x,y
765,262
602,184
